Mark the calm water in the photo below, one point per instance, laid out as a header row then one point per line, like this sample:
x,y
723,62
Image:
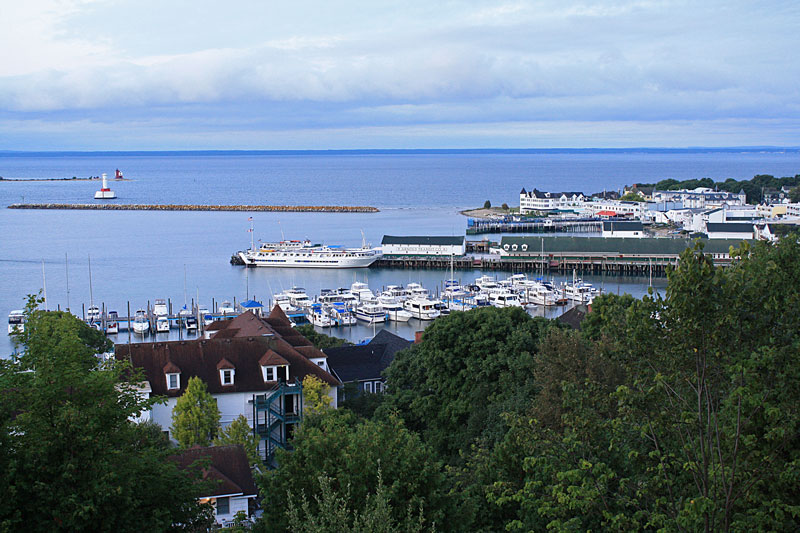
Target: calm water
x,y
140,256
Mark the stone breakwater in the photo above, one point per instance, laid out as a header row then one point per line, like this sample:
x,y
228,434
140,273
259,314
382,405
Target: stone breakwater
x,y
189,207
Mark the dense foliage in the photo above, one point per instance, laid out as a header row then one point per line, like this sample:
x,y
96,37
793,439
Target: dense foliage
x,y
70,457
753,188
240,432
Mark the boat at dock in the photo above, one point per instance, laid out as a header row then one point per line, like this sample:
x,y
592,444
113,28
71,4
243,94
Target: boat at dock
x,y
303,254
421,308
162,324
141,324
112,323
369,312
318,316
16,321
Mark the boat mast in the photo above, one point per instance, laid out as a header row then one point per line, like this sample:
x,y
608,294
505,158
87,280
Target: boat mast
x,y
44,286
252,242
66,263
91,293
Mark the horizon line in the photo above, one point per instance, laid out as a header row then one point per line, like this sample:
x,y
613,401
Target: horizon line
x,y
388,151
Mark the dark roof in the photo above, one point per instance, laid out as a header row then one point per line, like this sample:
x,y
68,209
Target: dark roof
x,y
226,467
574,316
729,227
536,193
367,361
202,357
435,240
616,225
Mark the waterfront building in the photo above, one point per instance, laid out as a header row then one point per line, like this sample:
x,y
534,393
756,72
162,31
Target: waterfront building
x,y
420,245
231,488
623,228
730,230
617,208
252,366
701,197
539,201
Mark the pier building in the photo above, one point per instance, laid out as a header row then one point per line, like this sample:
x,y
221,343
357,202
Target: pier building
x,y
425,246
623,228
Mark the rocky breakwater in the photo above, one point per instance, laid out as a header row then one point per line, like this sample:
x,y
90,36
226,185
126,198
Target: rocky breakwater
x,y
190,207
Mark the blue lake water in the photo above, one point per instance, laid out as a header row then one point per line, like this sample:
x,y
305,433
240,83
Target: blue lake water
x,y
139,256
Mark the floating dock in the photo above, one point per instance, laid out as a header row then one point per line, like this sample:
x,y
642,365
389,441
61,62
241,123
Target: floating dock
x,y
191,207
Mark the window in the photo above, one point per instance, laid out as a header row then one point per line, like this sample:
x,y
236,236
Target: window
x,y
270,373
368,386
173,381
226,376
223,505
378,386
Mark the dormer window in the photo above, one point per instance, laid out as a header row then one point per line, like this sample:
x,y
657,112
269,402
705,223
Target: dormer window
x,y
173,381
227,372
270,373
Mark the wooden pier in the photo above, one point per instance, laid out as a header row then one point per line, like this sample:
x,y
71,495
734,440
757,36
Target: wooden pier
x,y
195,207
481,226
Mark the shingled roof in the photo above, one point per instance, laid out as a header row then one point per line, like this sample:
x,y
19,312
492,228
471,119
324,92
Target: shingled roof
x,y
226,467
203,357
367,361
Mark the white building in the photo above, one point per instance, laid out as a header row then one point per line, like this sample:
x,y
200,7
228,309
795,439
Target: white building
x,y
623,228
730,230
536,200
417,245
701,197
252,366
617,208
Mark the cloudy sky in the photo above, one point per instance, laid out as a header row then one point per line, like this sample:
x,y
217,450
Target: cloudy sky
x,y
300,74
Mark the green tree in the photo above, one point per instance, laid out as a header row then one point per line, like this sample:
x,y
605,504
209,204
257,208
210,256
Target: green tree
x,y
794,194
632,197
71,458
316,395
195,418
487,204
505,206
239,432
469,369
352,452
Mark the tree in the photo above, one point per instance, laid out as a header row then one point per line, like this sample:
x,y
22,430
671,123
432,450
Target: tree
x,y
469,369
794,194
239,432
632,197
316,395
505,206
195,418
72,459
487,204
352,452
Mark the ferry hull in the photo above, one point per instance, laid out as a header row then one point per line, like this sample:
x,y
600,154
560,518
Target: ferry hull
x,y
278,261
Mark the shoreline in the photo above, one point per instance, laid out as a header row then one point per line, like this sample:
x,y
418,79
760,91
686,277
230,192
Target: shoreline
x,y
197,207
2,179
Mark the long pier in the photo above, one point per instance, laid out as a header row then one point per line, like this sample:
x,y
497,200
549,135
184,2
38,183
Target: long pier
x,y
481,226
196,207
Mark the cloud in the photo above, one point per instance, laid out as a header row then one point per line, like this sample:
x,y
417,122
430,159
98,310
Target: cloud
x,y
403,64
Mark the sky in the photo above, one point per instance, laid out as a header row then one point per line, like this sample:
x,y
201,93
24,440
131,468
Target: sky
x,y
263,74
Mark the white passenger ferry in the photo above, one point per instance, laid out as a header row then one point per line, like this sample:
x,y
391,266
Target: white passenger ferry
x,y
303,254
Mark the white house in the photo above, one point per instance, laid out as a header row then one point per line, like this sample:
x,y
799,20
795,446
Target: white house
x,y
229,479
701,197
536,200
601,208
253,366
420,245
623,228
730,230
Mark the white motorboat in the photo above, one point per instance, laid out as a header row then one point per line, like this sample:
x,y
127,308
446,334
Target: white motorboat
x,y
298,297
370,312
504,298
112,323
487,284
16,321
191,323
162,324
398,292
417,291
340,314
318,316
361,291
282,301
579,291
205,316
226,308
303,254
160,307
93,314
394,309
421,308
453,290
141,325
